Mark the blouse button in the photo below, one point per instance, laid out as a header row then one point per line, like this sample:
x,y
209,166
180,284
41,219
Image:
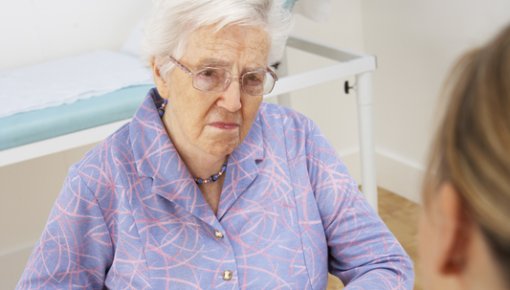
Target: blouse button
x,y
218,234
227,275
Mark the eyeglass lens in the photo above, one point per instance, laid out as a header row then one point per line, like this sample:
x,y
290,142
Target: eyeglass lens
x,y
253,83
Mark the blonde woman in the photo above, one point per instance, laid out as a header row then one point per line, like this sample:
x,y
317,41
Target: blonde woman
x,y
465,226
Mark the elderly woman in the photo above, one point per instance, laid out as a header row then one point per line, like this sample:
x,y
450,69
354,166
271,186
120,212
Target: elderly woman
x,y
208,189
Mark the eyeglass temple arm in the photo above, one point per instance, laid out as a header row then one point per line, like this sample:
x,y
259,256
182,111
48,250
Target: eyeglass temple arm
x,y
273,73
180,65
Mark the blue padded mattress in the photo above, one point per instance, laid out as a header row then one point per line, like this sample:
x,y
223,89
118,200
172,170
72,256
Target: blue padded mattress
x,y
38,125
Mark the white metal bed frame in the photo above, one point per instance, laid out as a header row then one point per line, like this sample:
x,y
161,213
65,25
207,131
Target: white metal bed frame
x,y
347,64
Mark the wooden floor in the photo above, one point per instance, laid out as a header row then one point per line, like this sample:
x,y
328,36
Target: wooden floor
x,y
401,216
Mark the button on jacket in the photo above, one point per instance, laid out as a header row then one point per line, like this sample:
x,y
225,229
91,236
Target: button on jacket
x,y
130,216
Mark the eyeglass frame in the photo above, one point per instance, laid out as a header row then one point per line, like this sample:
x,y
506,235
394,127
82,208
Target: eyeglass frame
x,y
192,74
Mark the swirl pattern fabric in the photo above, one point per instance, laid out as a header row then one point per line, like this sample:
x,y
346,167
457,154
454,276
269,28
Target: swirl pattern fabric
x,y
130,216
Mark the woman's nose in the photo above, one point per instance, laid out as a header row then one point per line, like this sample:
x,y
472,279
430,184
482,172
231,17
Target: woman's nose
x,y
231,97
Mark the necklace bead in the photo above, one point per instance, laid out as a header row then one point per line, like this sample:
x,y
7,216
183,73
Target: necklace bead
x,y
213,177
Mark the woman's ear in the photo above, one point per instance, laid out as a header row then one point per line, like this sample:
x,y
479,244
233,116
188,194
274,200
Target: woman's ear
x,y
454,231
159,80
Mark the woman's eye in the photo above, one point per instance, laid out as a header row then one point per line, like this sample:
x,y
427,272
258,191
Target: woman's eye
x,y
254,78
210,73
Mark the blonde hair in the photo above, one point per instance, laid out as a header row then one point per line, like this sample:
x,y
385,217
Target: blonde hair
x,y
472,147
172,21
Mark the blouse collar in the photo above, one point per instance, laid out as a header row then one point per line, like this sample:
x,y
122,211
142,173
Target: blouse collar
x,y
156,157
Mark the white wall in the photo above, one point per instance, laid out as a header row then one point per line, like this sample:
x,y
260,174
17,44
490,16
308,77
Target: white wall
x,y
416,43
32,31
327,104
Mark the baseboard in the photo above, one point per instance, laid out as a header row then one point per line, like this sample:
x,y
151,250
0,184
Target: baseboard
x,y
399,175
394,173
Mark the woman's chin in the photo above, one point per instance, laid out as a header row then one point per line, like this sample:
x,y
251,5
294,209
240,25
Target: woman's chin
x,y
222,149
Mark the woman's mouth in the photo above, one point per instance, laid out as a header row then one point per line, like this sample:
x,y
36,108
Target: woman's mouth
x,y
224,125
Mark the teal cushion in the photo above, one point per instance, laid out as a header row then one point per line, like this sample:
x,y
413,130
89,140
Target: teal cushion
x,y
289,4
29,127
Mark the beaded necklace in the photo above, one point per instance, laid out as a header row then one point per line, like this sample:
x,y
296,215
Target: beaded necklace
x,y
213,177
198,180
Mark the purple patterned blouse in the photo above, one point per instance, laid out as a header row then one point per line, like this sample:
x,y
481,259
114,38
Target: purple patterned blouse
x,y
130,216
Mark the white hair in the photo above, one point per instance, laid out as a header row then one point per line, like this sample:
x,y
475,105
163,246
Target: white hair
x,y
172,21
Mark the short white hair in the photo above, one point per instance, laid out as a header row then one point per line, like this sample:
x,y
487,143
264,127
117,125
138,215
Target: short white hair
x,y
171,22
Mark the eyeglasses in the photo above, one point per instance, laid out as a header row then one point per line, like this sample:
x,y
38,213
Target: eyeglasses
x,y
214,79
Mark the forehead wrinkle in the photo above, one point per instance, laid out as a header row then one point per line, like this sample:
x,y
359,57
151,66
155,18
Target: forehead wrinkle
x,y
226,47
222,56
